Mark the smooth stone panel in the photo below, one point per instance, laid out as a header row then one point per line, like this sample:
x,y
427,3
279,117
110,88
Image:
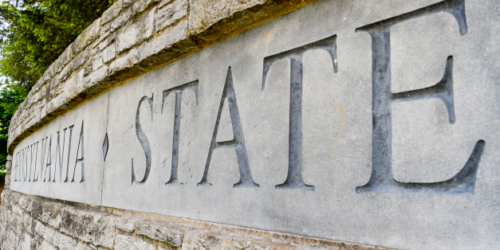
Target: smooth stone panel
x,y
37,168
337,130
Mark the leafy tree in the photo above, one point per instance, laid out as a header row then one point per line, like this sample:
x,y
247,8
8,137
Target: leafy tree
x,y
10,97
33,33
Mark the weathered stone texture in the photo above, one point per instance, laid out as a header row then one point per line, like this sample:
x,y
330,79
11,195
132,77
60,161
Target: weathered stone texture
x,y
126,224
131,243
28,222
119,21
206,13
93,64
113,11
141,5
125,63
95,78
164,2
106,41
159,49
127,38
95,228
171,14
210,20
159,231
109,54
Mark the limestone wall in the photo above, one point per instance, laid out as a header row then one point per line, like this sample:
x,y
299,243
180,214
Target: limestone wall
x,y
230,121
28,222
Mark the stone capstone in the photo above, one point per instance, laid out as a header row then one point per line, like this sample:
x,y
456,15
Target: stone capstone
x,y
171,14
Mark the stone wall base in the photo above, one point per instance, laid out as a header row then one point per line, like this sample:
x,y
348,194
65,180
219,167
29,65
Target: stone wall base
x,y
30,222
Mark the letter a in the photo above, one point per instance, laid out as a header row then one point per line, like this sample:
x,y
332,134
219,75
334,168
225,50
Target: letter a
x,y
238,142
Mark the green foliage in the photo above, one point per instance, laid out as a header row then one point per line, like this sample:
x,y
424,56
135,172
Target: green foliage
x,y
35,32
10,98
3,173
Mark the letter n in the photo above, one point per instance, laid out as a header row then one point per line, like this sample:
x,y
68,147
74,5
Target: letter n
x,y
80,156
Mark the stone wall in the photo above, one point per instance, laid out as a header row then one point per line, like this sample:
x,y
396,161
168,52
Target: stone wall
x,y
30,222
340,121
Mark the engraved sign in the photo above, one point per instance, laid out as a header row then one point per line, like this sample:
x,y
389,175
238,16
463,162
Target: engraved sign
x,y
64,159
345,120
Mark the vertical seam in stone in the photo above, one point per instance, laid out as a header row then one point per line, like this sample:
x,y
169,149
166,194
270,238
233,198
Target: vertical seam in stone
x,y
104,162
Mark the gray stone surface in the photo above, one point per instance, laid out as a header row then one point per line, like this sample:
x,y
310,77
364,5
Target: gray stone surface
x,y
126,224
337,131
31,164
120,20
124,62
141,5
109,53
343,162
164,232
209,12
171,14
95,228
177,34
130,243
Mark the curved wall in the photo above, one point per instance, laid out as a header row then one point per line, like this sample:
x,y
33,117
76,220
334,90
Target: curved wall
x,y
342,121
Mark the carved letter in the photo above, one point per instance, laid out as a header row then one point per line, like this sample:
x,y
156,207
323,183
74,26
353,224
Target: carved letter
x,y
294,178
27,167
238,142
59,155
36,158
20,167
42,162
143,140
49,160
381,180
30,161
174,180
16,167
23,165
42,159
69,151
81,159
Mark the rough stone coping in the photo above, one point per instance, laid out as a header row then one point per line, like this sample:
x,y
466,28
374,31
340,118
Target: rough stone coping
x,y
63,223
131,38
